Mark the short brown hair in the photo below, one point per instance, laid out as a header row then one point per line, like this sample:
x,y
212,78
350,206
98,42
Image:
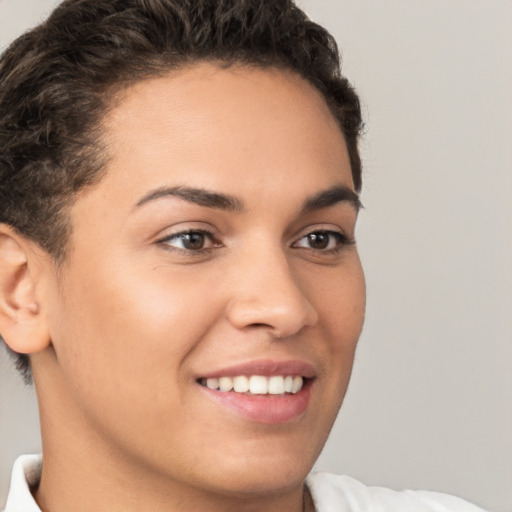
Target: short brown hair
x,y
57,82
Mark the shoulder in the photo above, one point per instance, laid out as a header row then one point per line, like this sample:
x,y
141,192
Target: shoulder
x,y
340,493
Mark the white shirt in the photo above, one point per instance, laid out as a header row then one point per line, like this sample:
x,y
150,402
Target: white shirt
x,y
331,493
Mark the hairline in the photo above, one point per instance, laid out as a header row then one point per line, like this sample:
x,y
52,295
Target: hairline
x,y
117,92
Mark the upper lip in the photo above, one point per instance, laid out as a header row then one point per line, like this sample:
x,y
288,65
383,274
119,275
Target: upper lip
x,y
267,368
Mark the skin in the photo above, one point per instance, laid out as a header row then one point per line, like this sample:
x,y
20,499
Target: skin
x,y
131,319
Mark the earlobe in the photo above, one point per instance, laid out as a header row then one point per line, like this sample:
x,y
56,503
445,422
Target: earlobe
x,y
22,324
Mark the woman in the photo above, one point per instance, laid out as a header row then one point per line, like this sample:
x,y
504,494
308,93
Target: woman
x,y
179,191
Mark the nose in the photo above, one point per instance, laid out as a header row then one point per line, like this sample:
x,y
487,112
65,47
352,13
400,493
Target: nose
x,y
267,295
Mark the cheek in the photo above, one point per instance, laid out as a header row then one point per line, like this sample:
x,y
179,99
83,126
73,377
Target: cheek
x,y
130,323
340,300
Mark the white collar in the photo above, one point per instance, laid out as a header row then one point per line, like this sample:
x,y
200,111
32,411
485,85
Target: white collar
x,y
25,474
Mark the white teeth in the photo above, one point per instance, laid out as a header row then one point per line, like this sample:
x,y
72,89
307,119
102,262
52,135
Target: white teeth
x,y
288,384
241,384
212,383
225,383
276,385
256,384
297,384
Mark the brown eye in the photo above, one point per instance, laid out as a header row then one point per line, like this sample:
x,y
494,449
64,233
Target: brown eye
x,y
323,241
193,241
190,241
318,240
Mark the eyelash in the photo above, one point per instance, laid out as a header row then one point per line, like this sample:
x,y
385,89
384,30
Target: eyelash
x,y
176,236
341,241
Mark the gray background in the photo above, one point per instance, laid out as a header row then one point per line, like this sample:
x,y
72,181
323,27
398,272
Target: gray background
x,y
430,404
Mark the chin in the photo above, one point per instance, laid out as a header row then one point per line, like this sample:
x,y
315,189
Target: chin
x,y
274,480
265,473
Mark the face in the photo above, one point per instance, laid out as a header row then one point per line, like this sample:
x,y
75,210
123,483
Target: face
x,y
217,251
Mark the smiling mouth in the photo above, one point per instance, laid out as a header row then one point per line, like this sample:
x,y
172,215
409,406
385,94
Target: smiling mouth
x,y
280,385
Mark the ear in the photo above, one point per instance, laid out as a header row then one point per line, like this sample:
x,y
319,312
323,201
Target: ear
x,y
22,323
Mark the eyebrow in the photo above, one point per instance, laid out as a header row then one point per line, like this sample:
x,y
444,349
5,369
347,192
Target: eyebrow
x,y
209,199
198,196
332,196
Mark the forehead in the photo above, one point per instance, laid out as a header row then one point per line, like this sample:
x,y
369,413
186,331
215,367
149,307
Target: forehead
x,y
237,129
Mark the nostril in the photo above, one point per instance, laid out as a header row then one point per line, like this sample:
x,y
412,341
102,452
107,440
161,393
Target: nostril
x,y
272,330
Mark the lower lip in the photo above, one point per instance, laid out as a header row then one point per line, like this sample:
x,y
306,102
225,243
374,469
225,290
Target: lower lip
x,y
264,408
